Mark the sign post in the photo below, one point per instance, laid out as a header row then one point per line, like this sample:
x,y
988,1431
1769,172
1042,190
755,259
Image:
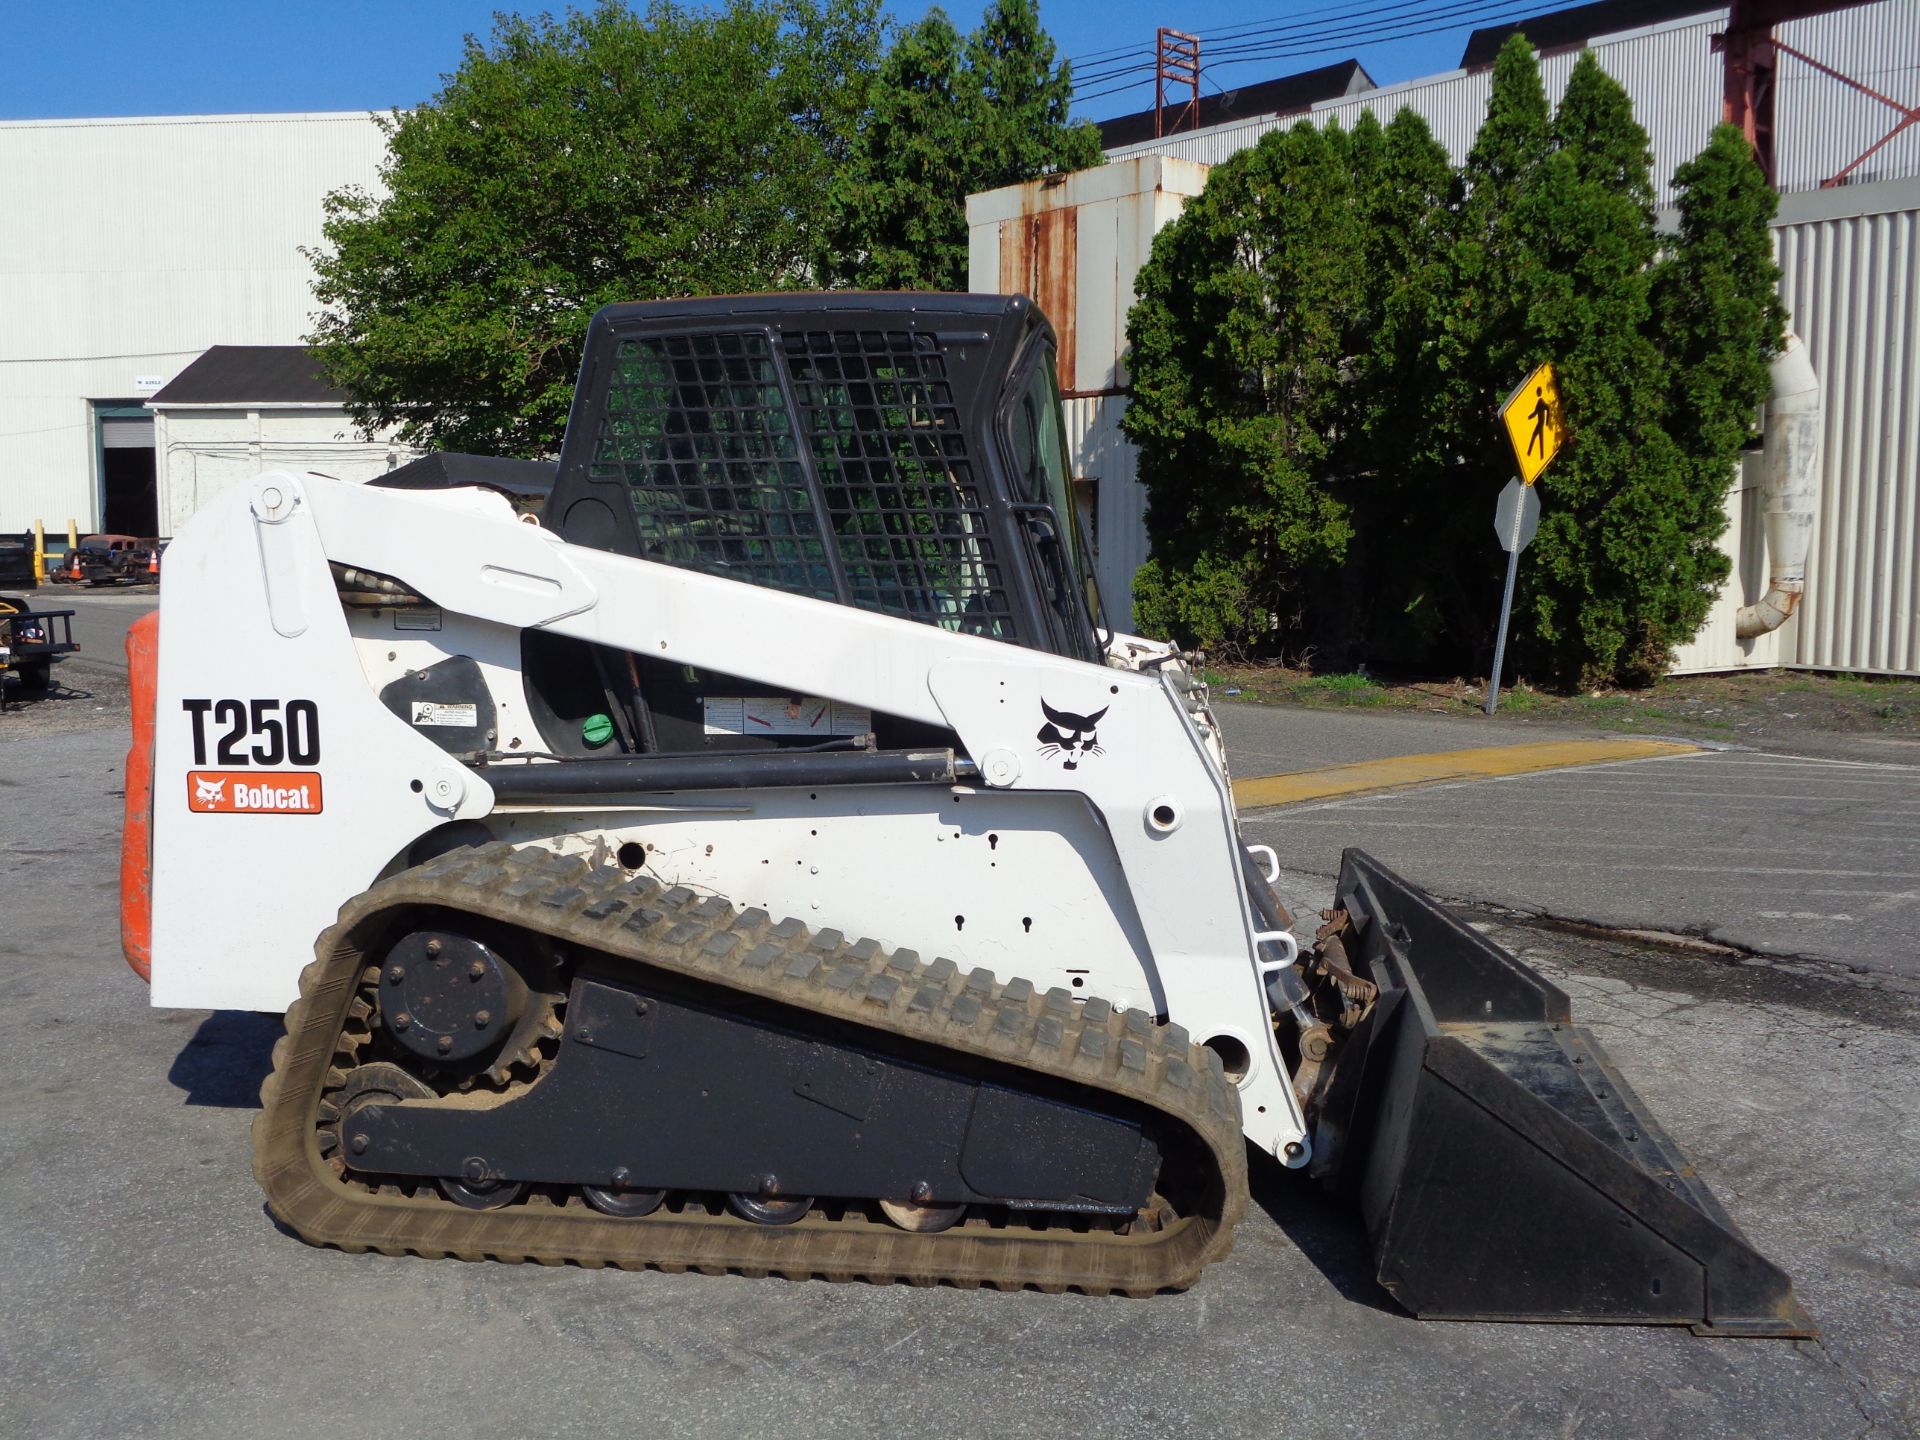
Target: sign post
x,y
1515,519
1535,429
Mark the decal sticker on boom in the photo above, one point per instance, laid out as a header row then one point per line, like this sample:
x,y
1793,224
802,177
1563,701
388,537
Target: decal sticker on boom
x,y
1070,736
253,792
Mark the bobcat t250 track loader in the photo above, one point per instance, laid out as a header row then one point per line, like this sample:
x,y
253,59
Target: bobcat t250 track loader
x,y
747,847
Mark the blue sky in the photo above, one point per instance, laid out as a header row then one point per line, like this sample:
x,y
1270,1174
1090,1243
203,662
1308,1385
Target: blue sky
x,y
114,57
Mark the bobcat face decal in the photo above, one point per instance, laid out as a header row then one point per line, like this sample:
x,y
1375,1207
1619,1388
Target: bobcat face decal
x,y
1069,735
209,792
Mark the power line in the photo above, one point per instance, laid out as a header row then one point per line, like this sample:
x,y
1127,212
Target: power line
x,y
1235,29
1479,13
1455,16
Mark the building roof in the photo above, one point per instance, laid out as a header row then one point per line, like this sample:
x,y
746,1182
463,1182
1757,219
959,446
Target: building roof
x,y
1564,29
1263,97
250,374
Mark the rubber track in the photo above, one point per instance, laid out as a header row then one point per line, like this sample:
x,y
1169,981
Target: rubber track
x,y
1124,1053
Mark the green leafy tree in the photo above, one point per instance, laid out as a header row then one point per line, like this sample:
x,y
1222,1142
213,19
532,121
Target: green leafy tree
x,y
566,164
947,118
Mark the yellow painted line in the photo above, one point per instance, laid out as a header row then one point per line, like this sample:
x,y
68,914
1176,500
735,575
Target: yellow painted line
x,y
1402,772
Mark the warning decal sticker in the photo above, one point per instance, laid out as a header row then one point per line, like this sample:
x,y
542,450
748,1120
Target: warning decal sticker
x,y
458,717
253,792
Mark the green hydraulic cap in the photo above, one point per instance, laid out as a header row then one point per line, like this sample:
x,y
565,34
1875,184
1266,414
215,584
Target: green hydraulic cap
x,y
596,729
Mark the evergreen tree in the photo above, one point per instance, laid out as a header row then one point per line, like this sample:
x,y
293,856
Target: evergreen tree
x,y
1320,344
947,119
893,220
1717,304
1602,577
1403,474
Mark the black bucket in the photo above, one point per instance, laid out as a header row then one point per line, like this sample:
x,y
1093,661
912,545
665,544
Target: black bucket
x,y
1504,1168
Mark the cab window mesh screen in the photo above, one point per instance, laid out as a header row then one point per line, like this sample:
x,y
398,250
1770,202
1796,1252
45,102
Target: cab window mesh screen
x,y
697,428
876,411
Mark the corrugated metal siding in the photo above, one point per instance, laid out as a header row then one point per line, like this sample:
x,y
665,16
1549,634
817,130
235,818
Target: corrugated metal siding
x,y
1823,125
129,246
1101,453
1674,79
1671,74
1852,286
1716,647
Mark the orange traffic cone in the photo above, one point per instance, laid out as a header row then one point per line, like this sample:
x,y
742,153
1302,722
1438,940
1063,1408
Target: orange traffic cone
x,y
153,563
73,566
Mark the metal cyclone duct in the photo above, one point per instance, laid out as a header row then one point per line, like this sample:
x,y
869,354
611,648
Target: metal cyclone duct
x,y
1790,490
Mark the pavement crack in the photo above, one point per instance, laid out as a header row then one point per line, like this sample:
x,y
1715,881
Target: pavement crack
x,y
1879,1420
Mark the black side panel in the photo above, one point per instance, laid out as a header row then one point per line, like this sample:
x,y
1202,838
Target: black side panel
x,y
448,702
682,1089
521,480
1504,1167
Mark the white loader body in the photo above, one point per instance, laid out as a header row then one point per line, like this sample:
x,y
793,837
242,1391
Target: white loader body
x,y
1113,870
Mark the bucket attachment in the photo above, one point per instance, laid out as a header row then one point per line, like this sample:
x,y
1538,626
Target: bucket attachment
x,y
1504,1168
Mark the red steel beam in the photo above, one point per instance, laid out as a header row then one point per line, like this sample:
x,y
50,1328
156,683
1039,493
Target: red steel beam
x,y
1750,64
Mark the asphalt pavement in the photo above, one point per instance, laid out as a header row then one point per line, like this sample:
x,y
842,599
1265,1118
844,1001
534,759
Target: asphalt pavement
x,y
100,620
143,1290
1784,855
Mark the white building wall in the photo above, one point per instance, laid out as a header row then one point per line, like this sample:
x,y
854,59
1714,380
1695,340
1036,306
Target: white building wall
x,y
127,247
1115,210
1717,647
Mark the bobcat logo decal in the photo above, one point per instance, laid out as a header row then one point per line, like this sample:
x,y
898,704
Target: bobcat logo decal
x,y
209,792
1069,735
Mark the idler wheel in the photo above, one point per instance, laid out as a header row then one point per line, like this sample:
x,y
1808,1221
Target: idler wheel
x,y
380,1083
765,1211
481,1194
922,1219
618,1200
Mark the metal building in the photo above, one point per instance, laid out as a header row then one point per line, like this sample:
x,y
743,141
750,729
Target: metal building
x,y
1849,253
128,247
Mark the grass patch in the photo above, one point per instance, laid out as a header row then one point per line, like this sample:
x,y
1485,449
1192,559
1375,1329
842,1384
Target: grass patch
x,y
1746,707
1520,700
1351,689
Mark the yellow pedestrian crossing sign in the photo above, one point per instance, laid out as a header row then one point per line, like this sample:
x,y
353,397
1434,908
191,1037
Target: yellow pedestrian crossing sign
x,y
1533,421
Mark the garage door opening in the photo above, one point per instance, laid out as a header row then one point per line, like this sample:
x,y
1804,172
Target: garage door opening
x,y
129,503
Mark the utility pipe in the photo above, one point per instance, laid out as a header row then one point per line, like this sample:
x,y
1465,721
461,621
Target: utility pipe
x,y
1790,490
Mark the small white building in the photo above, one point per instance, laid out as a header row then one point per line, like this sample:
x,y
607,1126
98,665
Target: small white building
x,y
242,409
